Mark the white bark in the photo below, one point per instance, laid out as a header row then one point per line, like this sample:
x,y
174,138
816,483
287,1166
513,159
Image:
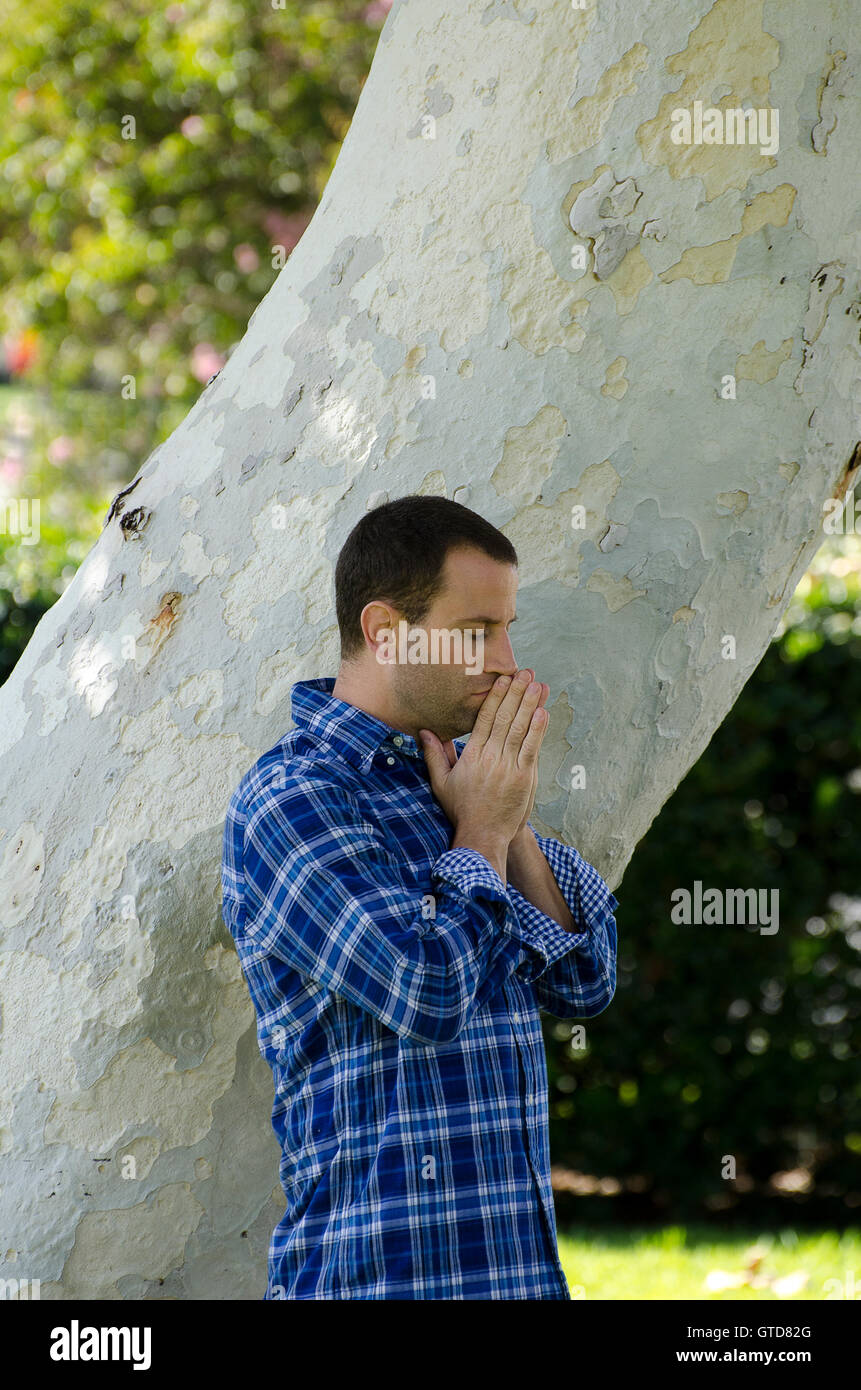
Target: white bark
x,y
428,334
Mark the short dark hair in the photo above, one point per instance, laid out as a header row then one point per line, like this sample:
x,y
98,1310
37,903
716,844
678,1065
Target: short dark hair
x,y
397,552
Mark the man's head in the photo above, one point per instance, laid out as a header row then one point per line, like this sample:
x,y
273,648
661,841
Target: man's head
x,y
424,565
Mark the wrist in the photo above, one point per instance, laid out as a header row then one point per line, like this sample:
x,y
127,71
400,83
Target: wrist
x,y
522,843
491,844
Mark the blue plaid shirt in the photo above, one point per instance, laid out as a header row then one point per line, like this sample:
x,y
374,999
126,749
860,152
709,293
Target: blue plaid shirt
x,y
398,985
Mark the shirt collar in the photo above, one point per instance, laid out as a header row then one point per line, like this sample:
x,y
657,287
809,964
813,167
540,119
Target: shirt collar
x,y
351,732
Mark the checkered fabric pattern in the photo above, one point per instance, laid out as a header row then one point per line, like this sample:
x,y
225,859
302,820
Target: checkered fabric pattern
x,y
398,986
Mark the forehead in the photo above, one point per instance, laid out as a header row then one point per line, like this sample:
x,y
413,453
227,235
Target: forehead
x,y
468,572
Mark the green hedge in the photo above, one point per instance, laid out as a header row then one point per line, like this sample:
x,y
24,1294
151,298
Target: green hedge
x,y
722,1041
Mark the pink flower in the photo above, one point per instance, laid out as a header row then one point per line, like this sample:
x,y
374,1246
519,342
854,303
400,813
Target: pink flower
x,y
192,126
11,468
60,450
285,229
246,258
20,351
376,12
205,361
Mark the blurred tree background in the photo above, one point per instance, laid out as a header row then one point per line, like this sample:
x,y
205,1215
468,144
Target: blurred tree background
x,y
158,163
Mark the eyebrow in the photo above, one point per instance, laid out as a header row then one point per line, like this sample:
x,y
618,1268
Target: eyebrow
x,y
490,621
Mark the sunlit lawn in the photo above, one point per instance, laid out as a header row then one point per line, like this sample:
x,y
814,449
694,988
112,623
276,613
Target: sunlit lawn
x,y
673,1262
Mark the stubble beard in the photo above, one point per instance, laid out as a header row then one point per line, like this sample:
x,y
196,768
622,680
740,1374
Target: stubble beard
x,y
428,706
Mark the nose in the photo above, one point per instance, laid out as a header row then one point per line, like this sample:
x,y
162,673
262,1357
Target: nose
x,y
499,659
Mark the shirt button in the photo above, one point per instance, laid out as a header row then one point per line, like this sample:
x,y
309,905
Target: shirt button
x,y
390,761
516,1018
397,740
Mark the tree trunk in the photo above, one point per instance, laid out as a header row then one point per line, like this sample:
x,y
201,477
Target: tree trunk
x,y
634,356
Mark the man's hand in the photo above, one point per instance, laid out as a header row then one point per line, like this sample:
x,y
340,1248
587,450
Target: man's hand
x,y
488,792
523,826
451,753
523,864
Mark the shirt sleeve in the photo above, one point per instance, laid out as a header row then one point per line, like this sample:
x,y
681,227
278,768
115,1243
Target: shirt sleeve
x,y
323,892
582,982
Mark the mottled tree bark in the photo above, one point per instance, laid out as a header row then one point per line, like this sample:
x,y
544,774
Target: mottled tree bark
x,y
634,356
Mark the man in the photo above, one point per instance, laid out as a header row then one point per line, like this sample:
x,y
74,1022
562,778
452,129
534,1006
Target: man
x,y
400,925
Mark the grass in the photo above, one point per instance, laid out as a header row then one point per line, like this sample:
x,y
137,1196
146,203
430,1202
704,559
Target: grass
x,y
673,1262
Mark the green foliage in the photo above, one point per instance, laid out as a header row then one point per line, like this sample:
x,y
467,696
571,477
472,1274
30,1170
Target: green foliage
x,y
122,254
721,1041
129,267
